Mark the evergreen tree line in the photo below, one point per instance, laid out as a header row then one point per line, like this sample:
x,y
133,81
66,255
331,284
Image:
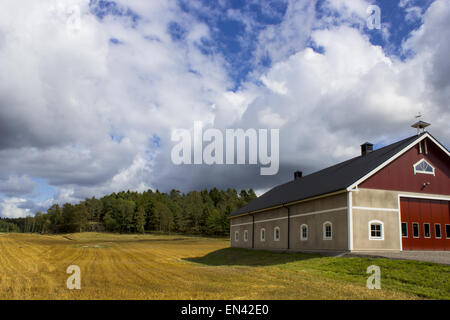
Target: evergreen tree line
x,y
197,212
6,226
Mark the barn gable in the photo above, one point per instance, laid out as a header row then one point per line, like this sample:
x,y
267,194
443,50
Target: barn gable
x,y
424,168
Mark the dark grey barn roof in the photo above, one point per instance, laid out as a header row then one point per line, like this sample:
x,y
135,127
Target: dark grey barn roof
x,y
331,179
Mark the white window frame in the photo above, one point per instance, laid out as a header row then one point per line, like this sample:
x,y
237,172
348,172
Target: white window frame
x,y
324,229
376,222
424,172
245,235
406,229
261,232
440,231
236,236
275,234
418,230
429,230
302,238
447,235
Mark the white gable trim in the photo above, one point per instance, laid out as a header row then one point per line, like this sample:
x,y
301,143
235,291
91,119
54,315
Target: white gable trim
x,y
381,166
438,144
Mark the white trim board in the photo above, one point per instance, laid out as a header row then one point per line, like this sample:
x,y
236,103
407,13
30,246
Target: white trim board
x,y
273,219
318,212
350,220
438,144
375,209
240,224
293,216
401,195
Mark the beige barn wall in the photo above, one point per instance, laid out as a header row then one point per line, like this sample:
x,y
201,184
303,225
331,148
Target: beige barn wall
x,y
247,225
307,212
281,222
380,199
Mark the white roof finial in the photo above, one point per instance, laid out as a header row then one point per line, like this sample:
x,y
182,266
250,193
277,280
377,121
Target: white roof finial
x,y
420,125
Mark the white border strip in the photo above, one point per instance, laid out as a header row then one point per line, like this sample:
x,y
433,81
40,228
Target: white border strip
x,y
318,212
401,195
376,209
350,220
273,219
240,224
294,216
438,144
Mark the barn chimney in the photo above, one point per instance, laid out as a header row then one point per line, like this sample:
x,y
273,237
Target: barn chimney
x,y
366,148
297,175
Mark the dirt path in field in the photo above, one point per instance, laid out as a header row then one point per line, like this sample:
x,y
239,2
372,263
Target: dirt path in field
x,y
151,267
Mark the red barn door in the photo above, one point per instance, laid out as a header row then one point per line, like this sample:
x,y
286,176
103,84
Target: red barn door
x,y
425,224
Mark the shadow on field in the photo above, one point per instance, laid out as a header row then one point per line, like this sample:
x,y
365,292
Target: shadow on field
x,y
247,257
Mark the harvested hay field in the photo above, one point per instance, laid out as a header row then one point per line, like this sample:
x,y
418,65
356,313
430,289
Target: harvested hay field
x,y
183,267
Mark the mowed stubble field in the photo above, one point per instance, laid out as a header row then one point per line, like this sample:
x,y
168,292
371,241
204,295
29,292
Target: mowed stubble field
x,y
183,267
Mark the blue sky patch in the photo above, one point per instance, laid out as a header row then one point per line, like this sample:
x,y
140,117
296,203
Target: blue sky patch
x,y
102,8
176,31
43,191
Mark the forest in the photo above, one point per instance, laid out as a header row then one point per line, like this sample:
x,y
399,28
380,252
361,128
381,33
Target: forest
x,y
197,212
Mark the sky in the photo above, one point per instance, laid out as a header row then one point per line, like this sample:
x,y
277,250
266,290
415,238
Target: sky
x,y
91,90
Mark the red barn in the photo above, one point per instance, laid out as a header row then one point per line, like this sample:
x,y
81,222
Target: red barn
x,y
393,198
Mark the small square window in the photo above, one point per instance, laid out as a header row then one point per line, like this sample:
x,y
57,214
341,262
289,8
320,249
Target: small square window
x,y
415,230
426,230
404,229
276,234
327,231
376,230
304,232
437,231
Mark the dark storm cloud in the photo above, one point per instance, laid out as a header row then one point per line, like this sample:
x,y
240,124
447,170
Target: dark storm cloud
x,y
69,165
190,177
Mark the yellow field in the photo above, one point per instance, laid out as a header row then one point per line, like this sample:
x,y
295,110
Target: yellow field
x,y
153,267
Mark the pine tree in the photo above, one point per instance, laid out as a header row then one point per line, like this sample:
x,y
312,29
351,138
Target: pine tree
x,y
139,220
